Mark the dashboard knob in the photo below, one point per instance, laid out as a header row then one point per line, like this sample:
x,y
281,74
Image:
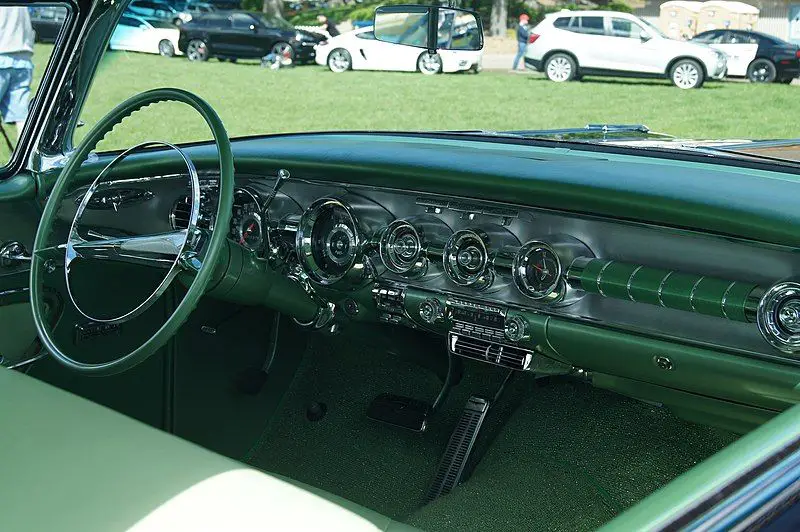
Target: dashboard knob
x,y
430,311
789,316
516,328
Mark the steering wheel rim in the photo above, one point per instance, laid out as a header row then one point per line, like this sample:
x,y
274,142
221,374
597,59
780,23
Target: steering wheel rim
x,y
213,248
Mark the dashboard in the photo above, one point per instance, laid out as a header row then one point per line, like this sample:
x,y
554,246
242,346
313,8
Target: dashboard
x,y
490,276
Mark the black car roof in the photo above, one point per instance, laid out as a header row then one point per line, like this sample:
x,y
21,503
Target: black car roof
x,y
770,38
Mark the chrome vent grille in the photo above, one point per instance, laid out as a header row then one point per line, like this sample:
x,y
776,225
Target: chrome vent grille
x,y
508,356
180,213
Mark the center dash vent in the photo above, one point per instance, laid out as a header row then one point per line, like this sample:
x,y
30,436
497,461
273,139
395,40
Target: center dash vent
x,y
508,356
180,212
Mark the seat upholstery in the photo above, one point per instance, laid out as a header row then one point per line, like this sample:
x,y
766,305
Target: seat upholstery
x,y
69,464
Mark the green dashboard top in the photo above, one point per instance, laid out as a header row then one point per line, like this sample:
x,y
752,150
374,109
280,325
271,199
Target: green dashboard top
x,y
735,201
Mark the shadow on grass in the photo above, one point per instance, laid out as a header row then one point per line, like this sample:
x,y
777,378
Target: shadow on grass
x,y
627,82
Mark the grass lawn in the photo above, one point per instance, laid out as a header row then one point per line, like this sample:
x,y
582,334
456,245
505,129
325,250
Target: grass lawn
x,y
252,100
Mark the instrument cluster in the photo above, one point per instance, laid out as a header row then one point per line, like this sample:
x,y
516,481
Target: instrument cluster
x,y
350,238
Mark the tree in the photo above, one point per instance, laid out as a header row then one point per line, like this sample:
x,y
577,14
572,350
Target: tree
x,y
273,8
499,18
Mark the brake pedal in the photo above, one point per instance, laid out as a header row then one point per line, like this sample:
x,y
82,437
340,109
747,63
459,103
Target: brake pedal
x,y
454,459
400,411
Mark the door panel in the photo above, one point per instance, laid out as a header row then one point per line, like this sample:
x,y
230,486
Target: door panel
x,y
626,51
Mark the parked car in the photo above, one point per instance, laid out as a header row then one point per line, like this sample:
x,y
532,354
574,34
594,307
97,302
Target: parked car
x,y
760,57
148,8
359,50
47,22
189,10
139,34
241,34
570,44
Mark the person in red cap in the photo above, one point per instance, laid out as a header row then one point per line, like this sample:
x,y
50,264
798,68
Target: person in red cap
x,y
522,39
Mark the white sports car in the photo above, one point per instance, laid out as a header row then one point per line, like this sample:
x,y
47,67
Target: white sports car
x,y
139,34
359,50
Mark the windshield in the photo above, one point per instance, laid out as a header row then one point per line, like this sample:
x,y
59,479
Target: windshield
x,y
540,69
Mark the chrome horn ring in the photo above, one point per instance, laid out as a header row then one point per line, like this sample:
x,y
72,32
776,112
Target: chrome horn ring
x,y
154,250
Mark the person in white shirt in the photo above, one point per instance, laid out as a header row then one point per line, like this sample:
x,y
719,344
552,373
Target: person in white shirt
x,y
16,64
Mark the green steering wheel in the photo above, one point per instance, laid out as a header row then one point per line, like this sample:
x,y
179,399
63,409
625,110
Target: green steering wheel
x,y
150,250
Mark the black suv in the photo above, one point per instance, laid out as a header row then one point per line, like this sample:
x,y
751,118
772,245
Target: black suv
x,y
241,34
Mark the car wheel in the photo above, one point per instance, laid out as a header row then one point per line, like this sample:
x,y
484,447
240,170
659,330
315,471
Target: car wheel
x,y
339,60
166,48
687,74
477,68
177,21
284,51
786,81
197,50
560,68
429,64
762,71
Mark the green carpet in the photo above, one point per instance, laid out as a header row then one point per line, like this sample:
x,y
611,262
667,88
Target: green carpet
x,y
571,458
568,457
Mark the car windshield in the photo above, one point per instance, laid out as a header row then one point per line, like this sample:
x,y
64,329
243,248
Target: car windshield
x,y
549,72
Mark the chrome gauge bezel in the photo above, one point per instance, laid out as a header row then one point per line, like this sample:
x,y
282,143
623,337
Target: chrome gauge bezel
x,y
415,262
768,319
304,240
481,277
258,215
552,292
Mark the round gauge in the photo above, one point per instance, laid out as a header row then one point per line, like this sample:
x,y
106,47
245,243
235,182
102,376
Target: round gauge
x,y
466,258
328,243
251,231
246,223
537,271
400,247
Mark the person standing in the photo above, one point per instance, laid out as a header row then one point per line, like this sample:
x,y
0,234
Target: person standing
x,y
522,39
16,65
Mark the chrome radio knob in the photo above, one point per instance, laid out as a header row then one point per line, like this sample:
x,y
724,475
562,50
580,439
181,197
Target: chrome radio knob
x,y
430,311
516,328
789,316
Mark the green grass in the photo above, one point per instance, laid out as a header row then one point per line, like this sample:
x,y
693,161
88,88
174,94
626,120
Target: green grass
x,y
252,100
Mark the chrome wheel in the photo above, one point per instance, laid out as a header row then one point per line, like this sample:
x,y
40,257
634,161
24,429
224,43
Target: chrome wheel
x,y
686,75
166,48
339,60
197,51
429,63
559,69
284,52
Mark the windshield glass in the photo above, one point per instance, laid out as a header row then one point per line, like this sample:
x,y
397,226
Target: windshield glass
x,y
539,69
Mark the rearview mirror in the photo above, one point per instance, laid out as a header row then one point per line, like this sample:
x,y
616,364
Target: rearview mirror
x,y
644,36
429,27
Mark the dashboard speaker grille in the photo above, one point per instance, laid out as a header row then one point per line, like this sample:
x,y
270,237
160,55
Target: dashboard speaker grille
x,y
508,356
180,213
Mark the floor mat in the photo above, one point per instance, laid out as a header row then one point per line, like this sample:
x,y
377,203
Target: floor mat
x,y
376,465
571,458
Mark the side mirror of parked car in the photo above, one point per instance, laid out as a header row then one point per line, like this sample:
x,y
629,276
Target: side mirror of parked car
x,y
430,27
644,36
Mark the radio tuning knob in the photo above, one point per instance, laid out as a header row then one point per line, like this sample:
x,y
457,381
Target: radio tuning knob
x,y
430,311
516,328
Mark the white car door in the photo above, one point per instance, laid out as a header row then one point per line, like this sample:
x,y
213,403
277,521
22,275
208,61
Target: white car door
x,y
630,47
124,33
371,54
740,48
587,40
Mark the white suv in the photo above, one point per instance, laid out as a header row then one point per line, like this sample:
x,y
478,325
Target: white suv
x,y
569,44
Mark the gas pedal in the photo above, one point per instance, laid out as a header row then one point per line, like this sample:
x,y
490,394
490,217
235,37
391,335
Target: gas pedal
x,y
451,466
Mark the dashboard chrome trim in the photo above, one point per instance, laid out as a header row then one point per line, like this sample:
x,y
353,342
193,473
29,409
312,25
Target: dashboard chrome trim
x,y
630,282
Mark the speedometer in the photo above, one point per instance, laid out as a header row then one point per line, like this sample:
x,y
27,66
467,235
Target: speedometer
x,y
328,242
246,220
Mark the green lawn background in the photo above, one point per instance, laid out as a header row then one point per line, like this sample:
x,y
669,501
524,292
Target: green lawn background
x,y
252,100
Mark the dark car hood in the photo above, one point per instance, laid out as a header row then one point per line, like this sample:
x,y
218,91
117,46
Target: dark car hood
x,y
316,37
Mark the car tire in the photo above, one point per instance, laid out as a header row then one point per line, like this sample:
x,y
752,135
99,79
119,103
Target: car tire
x,y
197,50
687,74
339,60
787,81
560,68
166,48
285,51
177,21
429,64
762,71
